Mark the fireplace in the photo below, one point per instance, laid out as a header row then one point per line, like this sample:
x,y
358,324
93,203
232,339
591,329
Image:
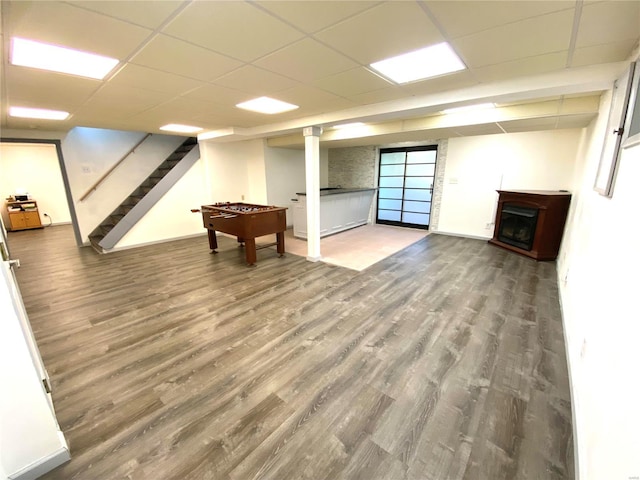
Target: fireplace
x,y
518,226
531,222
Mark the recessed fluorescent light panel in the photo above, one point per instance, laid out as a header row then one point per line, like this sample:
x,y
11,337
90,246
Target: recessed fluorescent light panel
x,y
267,105
425,63
39,113
348,125
469,108
28,53
175,127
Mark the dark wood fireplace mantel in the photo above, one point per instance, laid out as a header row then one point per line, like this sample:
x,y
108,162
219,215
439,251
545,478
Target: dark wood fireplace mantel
x,y
552,208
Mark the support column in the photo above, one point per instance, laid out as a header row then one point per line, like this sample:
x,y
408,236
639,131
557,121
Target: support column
x,y
312,173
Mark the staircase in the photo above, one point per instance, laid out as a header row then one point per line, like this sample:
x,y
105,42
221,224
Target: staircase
x,y
106,235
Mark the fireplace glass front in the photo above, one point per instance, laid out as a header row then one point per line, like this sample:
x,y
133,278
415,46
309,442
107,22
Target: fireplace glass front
x,y
518,226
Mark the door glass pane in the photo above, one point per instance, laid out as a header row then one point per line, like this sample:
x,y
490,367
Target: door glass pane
x,y
386,170
390,204
392,215
414,194
422,207
423,169
428,156
390,193
416,218
418,182
389,158
391,181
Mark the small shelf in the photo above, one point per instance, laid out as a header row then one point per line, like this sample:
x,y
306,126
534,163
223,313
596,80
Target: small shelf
x,y
23,215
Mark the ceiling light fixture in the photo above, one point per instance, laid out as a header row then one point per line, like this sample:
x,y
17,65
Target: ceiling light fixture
x,y
175,127
468,108
267,105
348,125
40,113
27,53
433,61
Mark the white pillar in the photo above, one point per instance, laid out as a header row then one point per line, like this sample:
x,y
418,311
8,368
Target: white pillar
x,y
312,173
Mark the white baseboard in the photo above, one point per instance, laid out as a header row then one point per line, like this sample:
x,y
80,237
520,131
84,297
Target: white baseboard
x,y
463,235
43,465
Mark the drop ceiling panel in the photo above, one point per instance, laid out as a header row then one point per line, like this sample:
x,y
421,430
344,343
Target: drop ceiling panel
x,y
481,129
181,58
65,25
47,89
312,16
386,94
521,67
137,76
255,81
576,121
513,126
236,29
609,52
314,98
514,41
600,23
462,18
384,31
439,84
135,99
306,61
217,94
147,13
352,82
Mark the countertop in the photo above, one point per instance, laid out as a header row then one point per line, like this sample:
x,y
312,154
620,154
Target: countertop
x,y
336,191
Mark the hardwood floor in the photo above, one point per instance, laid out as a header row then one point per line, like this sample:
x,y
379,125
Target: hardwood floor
x,y
444,361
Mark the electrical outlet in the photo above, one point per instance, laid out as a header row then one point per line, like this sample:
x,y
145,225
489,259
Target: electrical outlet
x,y
488,226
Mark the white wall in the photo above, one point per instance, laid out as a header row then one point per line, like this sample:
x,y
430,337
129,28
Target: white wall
x,y
90,152
597,270
171,217
478,166
226,167
34,167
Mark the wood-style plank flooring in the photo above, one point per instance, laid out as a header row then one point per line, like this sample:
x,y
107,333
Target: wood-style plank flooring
x,y
444,361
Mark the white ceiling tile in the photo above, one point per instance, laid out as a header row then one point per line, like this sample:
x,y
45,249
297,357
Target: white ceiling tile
x,y
386,94
352,82
609,22
47,89
446,82
535,36
381,32
308,97
123,96
306,61
461,18
217,94
312,16
255,81
137,76
522,67
182,58
147,13
237,29
610,52
68,26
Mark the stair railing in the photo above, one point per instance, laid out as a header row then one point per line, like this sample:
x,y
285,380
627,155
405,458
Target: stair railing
x,y
94,187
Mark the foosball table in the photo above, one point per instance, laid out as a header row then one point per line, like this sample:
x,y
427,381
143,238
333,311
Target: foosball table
x,y
245,221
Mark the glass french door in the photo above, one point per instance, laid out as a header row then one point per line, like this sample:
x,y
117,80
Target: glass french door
x,y
405,186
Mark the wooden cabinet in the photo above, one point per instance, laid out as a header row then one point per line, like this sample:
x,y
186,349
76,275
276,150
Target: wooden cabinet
x,y
23,215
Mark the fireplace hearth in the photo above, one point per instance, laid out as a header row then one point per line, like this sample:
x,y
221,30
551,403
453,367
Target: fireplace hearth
x,y
531,222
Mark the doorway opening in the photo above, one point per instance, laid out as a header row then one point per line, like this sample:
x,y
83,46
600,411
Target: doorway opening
x,y
405,186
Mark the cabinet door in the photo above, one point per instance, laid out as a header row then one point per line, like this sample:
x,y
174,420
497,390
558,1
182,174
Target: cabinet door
x,y
32,219
17,220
